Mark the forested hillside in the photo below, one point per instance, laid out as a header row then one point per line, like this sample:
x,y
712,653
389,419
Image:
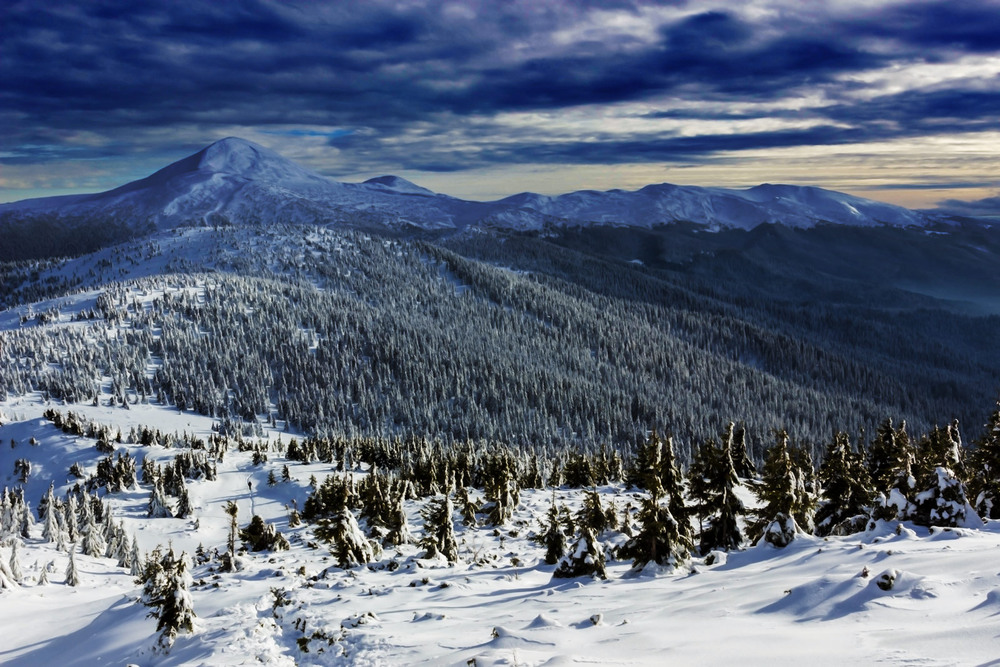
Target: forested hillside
x,y
517,338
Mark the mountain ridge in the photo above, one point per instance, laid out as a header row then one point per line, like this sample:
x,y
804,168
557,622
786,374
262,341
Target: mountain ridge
x,y
235,181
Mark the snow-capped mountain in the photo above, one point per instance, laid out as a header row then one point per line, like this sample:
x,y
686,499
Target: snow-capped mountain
x,y
235,181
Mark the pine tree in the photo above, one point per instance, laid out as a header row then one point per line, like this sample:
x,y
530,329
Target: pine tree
x,y
50,524
552,535
742,462
661,538
785,503
229,560
723,508
645,469
439,529
700,475
891,459
584,559
348,543
399,527
593,513
43,575
500,487
72,575
135,558
166,581
184,504
15,563
984,468
847,492
158,506
467,506
941,499
93,541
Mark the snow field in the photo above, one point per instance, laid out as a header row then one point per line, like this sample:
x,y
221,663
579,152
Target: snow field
x,y
816,601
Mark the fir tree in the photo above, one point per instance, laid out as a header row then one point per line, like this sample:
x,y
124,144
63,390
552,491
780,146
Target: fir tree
x,y
584,559
782,494
984,468
399,527
229,561
165,581
184,504
661,538
742,462
891,459
552,535
158,507
72,575
594,515
262,536
723,508
941,499
847,492
439,529
15,563
348,543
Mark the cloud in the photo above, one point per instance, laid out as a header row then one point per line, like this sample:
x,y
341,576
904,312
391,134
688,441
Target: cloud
x,y
433,84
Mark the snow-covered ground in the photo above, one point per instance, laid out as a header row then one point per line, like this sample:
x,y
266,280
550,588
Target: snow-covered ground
x,y
814,602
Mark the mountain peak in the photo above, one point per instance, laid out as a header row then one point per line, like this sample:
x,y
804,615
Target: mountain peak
x,y
397,184
239,157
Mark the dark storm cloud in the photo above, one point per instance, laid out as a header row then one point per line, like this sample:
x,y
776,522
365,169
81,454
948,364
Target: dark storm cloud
x,y
379,70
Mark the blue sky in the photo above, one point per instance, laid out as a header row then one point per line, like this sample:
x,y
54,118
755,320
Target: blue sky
x,y
898,101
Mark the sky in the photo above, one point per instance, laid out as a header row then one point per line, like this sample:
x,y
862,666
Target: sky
x,y
897,101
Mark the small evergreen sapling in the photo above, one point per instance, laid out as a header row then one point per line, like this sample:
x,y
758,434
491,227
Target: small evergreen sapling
x,y
584,559
439,529
552,535
165,584
72,574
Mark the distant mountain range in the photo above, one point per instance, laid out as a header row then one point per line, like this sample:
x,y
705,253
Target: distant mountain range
x,y
235,181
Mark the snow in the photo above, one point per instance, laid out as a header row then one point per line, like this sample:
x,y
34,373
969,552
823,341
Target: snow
x,y
816,601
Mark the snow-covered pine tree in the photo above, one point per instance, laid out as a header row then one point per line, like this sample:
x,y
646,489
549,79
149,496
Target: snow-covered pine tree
x,y
984,469
72,532
7,581
439,529
15,563
941,499
43,575
500,486
399,527
724,508
891,458
184,503
595,516
165,584
135,558
585,558
785,504
467,506
92,541
347,541
646,466
552,535
158,506
262,536
661,538
847,494
72,574
229,560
